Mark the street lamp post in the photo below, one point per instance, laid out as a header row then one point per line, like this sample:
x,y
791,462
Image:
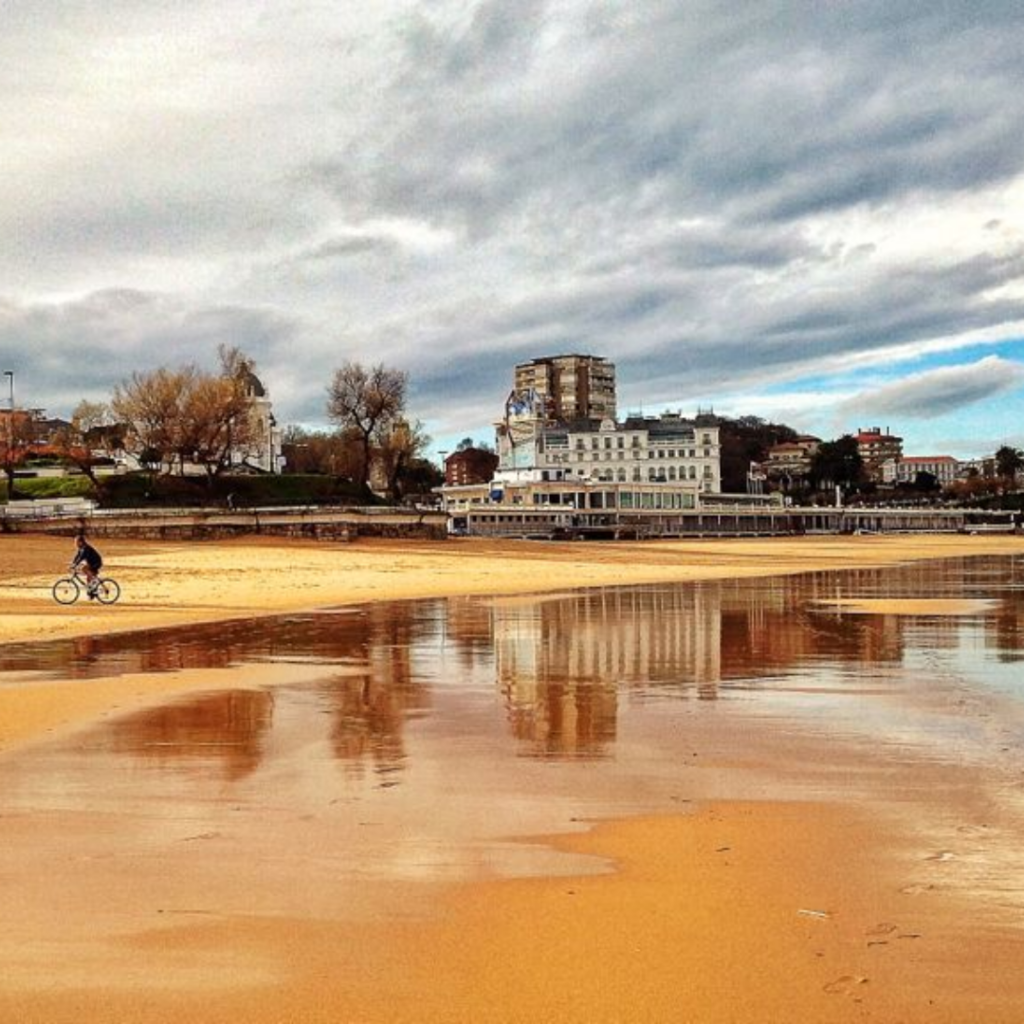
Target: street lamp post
x,y
9,454
9,374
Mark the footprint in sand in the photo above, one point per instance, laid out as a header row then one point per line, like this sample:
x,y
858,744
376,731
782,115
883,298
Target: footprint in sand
x,y
845,985
916,890
881,929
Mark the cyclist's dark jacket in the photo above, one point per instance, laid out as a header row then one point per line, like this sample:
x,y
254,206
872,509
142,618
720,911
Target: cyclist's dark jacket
x,y
88,554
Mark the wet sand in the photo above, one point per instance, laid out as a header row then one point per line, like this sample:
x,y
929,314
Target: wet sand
x,y
736,911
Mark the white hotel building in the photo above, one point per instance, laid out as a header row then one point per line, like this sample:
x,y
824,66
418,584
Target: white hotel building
x,y
666,450
590,465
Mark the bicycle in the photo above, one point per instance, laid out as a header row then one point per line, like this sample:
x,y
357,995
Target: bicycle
x,y
68,589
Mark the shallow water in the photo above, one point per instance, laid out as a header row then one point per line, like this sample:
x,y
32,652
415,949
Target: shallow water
x,y
422,741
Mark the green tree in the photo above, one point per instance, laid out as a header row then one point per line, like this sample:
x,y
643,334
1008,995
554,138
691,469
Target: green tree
x,y
838,464
1009,463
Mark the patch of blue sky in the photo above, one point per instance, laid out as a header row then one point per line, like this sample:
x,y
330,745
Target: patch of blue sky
x,y
888,369
1009,348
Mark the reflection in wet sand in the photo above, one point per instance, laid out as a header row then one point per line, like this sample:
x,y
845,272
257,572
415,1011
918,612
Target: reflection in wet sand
x,y
561,664
916,606
223,732
431,733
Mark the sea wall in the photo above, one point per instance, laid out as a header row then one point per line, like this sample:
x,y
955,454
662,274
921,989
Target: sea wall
x,y
316,524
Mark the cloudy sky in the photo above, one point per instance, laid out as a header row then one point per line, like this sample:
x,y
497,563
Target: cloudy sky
x,y
808,211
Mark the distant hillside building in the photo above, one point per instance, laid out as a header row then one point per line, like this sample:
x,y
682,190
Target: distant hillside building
x,y
876,449
790,461
944,468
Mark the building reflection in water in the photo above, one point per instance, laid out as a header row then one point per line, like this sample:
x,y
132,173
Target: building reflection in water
x,y
560,666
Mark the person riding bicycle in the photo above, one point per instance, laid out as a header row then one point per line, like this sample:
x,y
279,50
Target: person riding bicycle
x,y
91,562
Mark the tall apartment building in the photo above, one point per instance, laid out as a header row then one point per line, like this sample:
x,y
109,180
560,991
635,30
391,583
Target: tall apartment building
x,y
569,388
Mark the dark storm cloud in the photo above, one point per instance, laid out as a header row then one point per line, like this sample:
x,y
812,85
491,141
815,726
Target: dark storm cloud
x,y
83,347
742,121
778,110
713,195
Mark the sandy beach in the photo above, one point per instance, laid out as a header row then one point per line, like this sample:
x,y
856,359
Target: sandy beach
x,y
741,910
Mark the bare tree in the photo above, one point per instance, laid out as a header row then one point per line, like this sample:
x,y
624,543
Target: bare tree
x,y
190,416
215,422
18,435
403,443
91,436
318,451
151,407
369,401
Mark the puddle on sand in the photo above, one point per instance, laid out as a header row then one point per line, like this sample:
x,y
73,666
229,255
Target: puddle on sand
x,y
435,733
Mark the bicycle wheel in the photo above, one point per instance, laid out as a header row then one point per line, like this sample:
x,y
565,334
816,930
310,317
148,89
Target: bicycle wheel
x,y
107,591
65,591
